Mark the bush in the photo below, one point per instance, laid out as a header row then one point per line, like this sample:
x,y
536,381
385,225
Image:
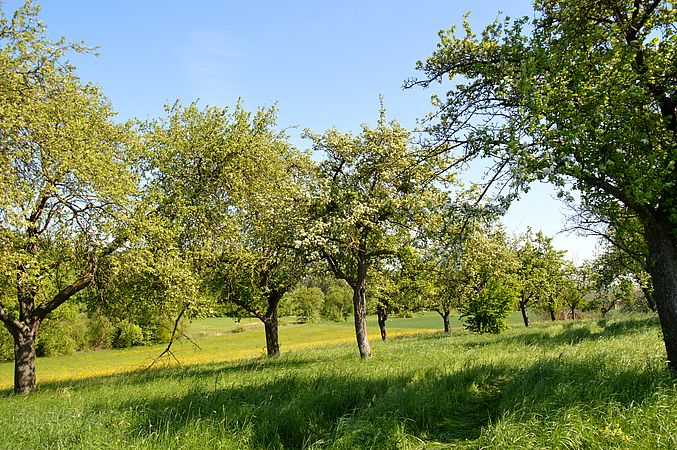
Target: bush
x,y
304,302
100,332
486,312
62,333
160,330
6,345
128,335
338,303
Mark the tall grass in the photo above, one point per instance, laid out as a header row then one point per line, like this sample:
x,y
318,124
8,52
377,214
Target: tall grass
x,y
587,384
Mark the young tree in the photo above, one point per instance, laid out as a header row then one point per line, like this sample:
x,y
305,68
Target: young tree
x,y
486,283
375,189
67,189
586,94
538,267
578,287
392,287
444,245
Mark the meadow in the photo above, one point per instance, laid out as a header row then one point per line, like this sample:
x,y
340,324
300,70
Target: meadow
x,y
595,384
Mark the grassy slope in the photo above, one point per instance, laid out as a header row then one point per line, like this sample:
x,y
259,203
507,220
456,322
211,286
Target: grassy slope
x,y
564,385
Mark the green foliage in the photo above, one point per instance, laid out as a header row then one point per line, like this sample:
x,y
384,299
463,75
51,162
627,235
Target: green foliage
x,y
70,188
538,271
128,334
100,332
375,190
236,192
63,333
581,94
487,311
338,303
6,345
308,303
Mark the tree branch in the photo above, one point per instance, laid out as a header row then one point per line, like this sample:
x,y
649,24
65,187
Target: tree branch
x,y
248,308
10,320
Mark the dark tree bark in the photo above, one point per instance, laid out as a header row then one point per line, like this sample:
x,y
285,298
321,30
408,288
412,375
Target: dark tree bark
x,y
382,312
24,330
272,340
269,319
648,295
24,360
663,270
445,318
605,308
270,323
573,313
360,309
551,310
523,309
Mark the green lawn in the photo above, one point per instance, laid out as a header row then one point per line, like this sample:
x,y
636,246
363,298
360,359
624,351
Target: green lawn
x,y
590,384
216,341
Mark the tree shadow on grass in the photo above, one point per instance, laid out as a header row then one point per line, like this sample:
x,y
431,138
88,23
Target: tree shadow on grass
x,y
360,411
372,411
572,332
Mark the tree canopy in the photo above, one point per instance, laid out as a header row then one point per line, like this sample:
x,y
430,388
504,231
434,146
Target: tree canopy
x,y
582,94
68,190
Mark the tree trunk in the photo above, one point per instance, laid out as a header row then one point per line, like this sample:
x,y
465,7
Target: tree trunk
x,y
648,295
24,361
382,312
272,340
360,310
447,325
551,310
573,313
525,316
663,270
271,326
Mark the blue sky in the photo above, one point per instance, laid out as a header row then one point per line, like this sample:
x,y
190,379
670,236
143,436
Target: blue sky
x,y
323,63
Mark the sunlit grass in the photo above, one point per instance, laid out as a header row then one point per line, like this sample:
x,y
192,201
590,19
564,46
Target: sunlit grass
x,y
592,384
213,340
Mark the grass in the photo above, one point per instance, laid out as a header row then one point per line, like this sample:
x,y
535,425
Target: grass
x,y
590,384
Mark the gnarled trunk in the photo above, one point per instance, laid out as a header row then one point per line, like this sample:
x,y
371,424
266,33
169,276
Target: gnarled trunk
x,y
360,310
270,324
382,312
272,340
24,363
525,316
445,318
663,270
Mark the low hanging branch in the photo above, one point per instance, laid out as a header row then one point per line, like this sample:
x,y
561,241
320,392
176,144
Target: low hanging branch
x,y
176,334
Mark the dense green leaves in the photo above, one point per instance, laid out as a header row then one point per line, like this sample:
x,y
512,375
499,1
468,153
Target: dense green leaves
x,y
583,94
69,187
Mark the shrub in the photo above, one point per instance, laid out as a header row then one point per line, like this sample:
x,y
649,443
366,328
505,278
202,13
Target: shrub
x,y
486,312
6,345
100,332
160,330
338,303
128,335
62,333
